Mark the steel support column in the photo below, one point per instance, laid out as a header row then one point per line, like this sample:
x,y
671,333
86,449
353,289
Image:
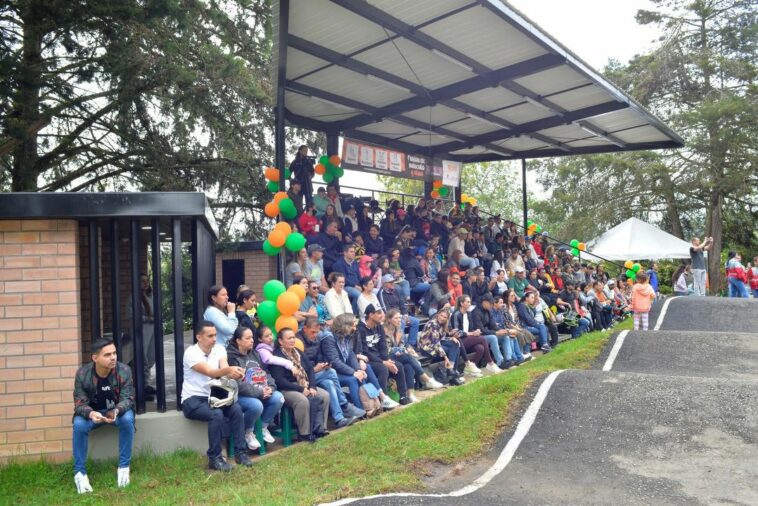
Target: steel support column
x,y
524,202
177,292
279,113
160,374
139,357
115,287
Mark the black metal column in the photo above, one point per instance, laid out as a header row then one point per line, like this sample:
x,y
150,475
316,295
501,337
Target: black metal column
x,y
139,357
160,374
115,286
281,82
94,280
178,310
523,192
333,148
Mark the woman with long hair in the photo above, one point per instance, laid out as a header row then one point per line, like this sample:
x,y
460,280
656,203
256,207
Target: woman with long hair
x,y
221,313
296,266
437,341
471,338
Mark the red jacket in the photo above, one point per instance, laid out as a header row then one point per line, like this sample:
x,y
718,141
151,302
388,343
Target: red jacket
x,y
752,276
307,224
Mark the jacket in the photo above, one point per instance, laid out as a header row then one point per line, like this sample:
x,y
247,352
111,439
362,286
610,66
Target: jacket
x,y
374,246
372,343
312,349
482,319
477,291
526,315
255,377
342,359
352,277
285,379
85,388
642,297
332,246
391,300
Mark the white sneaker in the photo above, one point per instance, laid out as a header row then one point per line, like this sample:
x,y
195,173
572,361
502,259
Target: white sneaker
x,y
388,403
472,370
434,384
252,441
122,476
492,367
527,357
413,398
267,437
82,483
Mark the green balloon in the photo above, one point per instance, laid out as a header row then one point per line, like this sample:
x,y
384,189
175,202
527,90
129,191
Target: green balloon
x,y
574,243
329,167
529,223
575,252
272,186
268,313
463,207
328,177
270,250
287,208
539,229
631,274
443,191
295,242
636,268
339,172
323,160
287,173
273,289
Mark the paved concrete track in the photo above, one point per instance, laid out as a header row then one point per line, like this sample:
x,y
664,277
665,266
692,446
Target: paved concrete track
x,y
711,314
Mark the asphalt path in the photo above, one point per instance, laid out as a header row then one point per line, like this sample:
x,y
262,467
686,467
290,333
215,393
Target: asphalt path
x,y
675,421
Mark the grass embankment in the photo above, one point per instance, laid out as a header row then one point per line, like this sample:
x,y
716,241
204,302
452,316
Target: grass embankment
x,y
387,454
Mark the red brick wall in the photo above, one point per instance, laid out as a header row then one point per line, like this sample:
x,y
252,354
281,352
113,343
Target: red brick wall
x,y
39,336
259,268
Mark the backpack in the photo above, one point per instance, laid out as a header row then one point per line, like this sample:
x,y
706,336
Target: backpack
x,y
371,405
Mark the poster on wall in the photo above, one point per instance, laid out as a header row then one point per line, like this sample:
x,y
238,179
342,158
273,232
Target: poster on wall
x,y
451,173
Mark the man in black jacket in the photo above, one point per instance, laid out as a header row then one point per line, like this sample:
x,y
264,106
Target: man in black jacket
x,y
389,298
481,318
331,241
478,286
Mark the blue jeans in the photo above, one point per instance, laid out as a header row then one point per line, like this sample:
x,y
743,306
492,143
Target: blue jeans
x,y
452,350
197,408
506,347
418,291
353,385
518,355
353,294
468,262
404,287
266,409
540,333
329,381
82,428
584,326
494,345
412,330
755,293
737,288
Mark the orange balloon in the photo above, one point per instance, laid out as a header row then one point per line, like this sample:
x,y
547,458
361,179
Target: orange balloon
x,y
276,238
335,160
435,194
271,174
582,246
278,196
297,290
271,210
320,169
288,303
437,185
286,322
283,227
629,282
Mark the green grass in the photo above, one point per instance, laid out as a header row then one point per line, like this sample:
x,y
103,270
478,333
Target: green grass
x,y
387,454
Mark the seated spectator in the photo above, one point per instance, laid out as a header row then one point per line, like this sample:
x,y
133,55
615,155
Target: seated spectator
x,y
245,302
518,282
348,266
334,199
481,318
401,283
438,341
103,394
320,202
414,274
264,339
370,342
295,193
508,340
336,299
307,222
457,243
331,241
439,294
514,262
314,267
479,286
497,263
221,313
374,242
526,312
499,283
545,316
202,361
314,300
343,412
350,220
300,315
471,338
365,221
512,321
296,266
298,386
605,303
389,298
258,397
570,299
430,265
455,287
360,246
367,297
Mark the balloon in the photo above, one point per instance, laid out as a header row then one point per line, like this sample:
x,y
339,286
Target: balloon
x,y
286,322
267,312
335,160
273,289
339,172
297,290
284,227
276,238
631,274
629,282
287,303
287,208
443,191
272,186
582,246
320,169
323,160
464,197
532,227
529,223
437,185
472,201
575,252
435,194
328,178
636,268
287,173
538,229
295,242
628,264
574,243
269,249
271,210
271,174
463,207
279,196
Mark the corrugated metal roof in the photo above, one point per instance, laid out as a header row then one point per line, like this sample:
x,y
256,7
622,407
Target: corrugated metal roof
x,y
456,79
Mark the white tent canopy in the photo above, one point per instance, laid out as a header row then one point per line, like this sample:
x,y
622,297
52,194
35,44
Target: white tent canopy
x,y
636,240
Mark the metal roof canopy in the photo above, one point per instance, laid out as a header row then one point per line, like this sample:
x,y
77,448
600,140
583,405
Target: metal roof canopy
x,y
465,80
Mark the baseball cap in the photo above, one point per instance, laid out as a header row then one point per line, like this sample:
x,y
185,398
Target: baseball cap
x,y
519,269
370,309
314,247
388,278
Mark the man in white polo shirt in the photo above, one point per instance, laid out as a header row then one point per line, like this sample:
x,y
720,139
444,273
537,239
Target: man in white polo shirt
x,y
204,361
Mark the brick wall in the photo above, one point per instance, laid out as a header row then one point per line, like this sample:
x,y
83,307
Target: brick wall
x,y
259,268
39,336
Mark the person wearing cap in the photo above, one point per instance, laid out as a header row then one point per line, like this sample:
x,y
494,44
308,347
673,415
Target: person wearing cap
x,y
314,266
320,202
371,344
103,395
458,243
518,281
331,240
389,298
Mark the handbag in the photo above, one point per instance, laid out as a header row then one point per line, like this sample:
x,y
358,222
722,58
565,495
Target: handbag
x,y
371,405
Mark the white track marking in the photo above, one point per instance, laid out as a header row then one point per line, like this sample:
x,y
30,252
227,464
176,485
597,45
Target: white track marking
x,y
615,350
661,316
503,460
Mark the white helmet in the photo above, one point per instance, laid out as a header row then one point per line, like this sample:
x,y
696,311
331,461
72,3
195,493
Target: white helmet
x,y
223,392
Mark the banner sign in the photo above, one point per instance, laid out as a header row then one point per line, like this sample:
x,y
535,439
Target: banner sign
x,y
366,157
451,173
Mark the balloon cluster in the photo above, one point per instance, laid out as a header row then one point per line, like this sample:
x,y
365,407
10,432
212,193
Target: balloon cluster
x,y
272,174
278,310
465,199
439,191
577,247
283,236
632,268
329,168
532,228
281,204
